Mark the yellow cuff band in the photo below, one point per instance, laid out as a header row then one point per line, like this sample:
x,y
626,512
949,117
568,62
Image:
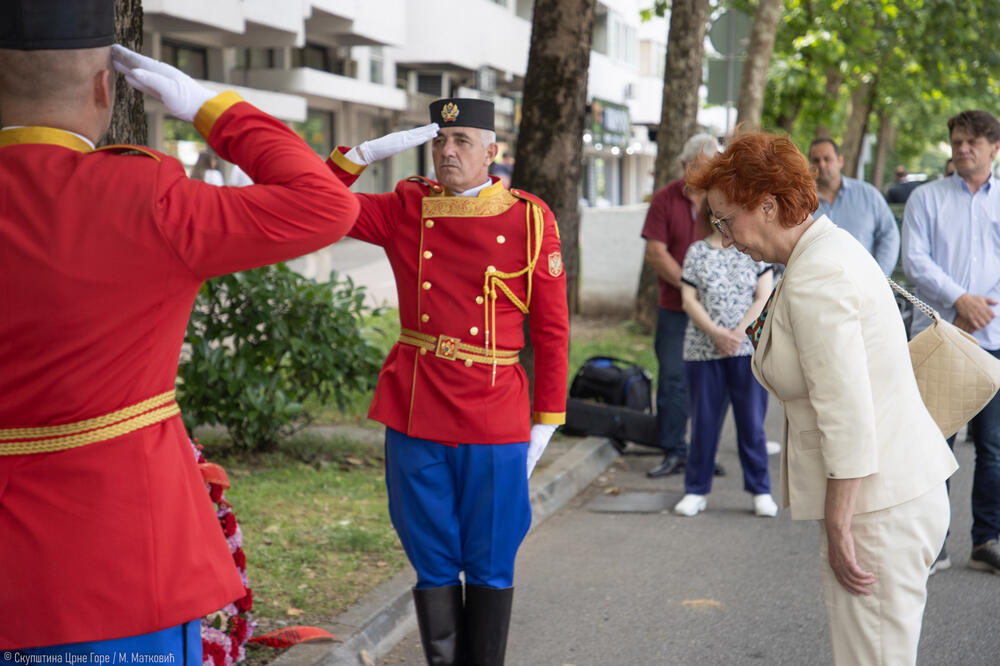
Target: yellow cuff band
x,y
210,111
347,165
549,418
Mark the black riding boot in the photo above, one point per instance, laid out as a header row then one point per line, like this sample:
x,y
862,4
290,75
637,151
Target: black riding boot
x,y
487,619
439,616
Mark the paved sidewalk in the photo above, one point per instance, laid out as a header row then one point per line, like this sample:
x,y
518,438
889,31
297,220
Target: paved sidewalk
x,y
383,617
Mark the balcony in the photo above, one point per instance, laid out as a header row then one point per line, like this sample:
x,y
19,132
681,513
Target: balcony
x,y
316,85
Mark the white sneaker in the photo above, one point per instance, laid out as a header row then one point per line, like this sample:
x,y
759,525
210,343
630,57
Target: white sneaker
x,y
764,506
773,448
691,505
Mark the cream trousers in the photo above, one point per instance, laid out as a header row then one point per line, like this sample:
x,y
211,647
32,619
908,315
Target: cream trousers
x,y
898,545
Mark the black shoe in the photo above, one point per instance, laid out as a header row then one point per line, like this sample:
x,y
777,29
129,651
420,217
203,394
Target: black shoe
x,y
487,620
671,464
719,469
439,617
986,557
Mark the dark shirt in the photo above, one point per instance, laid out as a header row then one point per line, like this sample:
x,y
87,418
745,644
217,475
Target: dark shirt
x,y
672,220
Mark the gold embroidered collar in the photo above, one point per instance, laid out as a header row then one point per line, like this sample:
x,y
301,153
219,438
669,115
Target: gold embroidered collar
x,y
46,135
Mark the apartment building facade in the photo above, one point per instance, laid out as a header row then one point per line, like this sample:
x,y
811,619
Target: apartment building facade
x,y
342,71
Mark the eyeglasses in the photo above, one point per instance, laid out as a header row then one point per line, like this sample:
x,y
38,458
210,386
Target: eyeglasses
x,y
722,225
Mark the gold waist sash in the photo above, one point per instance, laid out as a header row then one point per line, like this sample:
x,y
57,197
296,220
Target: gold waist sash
x,y
453,349
45,439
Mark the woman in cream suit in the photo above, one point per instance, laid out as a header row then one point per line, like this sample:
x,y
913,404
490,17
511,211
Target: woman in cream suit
x,y
861,454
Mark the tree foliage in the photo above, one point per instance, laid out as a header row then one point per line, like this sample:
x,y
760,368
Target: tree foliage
x,y
915,62
263,341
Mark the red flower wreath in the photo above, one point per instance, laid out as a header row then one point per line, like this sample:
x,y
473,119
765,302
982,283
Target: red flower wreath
x,y
225,632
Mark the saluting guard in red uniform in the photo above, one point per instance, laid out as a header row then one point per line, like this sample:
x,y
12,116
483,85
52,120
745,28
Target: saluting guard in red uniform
x,y
109,543
471,260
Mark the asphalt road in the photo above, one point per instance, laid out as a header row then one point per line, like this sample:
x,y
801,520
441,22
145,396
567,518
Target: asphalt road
x,y
600,585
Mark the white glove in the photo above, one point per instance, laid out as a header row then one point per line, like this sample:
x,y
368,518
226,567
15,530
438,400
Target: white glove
x,y
390,144
541,433
181,94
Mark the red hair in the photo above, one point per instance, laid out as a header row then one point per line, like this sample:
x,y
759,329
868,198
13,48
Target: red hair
x,y
754,165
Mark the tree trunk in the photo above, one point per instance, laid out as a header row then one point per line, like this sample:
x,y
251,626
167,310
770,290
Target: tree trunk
x,y
857,125
833,81
549,142
886,142
128,124
678,120
754,82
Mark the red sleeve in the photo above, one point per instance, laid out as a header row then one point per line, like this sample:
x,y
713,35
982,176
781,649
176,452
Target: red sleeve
x,y
296,207
655,227
380,213
548,326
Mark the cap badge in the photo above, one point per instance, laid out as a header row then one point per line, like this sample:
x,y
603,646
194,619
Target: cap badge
x,y
449,112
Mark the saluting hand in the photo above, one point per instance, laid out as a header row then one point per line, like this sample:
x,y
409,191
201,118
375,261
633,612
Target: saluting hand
x,y
397,142
181,94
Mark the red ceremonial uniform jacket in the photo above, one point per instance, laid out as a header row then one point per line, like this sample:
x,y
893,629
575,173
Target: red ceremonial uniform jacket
x,y
102,254
463,267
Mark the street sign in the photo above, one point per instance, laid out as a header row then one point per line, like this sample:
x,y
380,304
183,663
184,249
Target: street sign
x,y
721,88
730,33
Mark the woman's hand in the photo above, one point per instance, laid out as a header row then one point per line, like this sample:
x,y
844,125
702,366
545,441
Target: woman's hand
x,y
845,566
841,495
728,342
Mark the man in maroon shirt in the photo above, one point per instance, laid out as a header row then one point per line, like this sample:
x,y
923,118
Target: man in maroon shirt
x,y
671,227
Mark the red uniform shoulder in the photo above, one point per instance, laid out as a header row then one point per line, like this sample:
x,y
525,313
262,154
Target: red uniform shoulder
x,y
527,196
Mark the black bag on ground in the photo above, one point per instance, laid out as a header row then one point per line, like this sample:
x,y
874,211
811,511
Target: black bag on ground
x,y
611,398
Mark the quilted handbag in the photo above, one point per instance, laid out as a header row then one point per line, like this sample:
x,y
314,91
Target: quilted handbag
x,y
956,376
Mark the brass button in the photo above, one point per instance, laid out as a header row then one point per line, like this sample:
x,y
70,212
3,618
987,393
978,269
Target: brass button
x,y
426,285
468,362
428,254
479,300
491,269
501,240
474,330
436,188
422,351
429,223
425,318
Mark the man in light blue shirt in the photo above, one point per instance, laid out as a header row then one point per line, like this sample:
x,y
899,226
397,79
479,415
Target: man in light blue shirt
x,y
951,253
854,205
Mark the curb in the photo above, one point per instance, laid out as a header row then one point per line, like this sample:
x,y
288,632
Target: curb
x,y
384,616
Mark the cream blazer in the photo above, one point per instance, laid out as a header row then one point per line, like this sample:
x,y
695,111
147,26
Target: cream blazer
x,y
833,350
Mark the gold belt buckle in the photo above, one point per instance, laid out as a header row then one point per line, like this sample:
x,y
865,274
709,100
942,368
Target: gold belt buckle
x,y
446,348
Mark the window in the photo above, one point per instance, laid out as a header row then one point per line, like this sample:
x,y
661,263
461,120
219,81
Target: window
x,y
311,56
376,65
192,60
599,41
317,131
255,58
430,84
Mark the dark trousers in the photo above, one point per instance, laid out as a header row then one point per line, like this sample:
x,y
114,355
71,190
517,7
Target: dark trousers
x,y
986,477
709,382
671,384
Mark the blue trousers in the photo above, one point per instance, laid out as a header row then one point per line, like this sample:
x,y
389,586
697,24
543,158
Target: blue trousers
x,y
986,477
180,646
708,384
456,509
671,385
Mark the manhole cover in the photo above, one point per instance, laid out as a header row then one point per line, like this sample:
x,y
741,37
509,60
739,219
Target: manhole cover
x,y
639,502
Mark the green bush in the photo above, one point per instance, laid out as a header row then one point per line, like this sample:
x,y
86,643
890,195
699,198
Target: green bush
x,y
260,342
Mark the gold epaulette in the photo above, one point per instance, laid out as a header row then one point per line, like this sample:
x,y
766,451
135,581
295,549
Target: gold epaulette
x,y
128,149
435,188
